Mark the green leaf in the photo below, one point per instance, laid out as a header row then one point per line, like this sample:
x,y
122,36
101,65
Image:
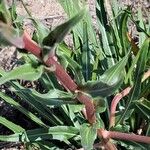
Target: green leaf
x,y
61,133
10,36
41,30
104,28
130,145
75,68
53,97
109,81
25,72
42,109
99,123
57,35
116,72
122,128
86,54
4,12
15,128
63,61
21,109
124,30
135,92
143,107
98,88
88,135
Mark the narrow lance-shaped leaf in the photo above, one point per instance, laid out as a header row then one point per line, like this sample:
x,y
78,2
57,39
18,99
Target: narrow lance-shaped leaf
x,y
109,81
105,33
88,135
55,133
10,35
57,35
53,97
25,72
123,31
15,128
4,12
86,54
135,92
21,109
143,107
38,106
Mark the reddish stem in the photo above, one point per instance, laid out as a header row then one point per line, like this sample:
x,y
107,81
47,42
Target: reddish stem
x,y
31,46
114,103
123,136
89,106
61,75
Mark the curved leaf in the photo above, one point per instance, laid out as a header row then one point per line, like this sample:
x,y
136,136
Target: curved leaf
x,y
22,109
61,133
15,128
88,135
109,81
99,88
25,72
57,35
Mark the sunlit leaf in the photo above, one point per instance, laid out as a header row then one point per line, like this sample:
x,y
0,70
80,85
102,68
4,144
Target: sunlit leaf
x,y
88,135
60,133
15,128
25,72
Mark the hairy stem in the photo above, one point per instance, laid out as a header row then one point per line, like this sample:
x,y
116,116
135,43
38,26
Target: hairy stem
x,y
89,106
61,75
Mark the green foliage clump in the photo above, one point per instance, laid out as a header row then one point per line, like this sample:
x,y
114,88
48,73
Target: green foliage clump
x,y
75,103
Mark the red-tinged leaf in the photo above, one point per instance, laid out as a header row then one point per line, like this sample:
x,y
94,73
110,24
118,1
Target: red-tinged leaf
x,y
10,36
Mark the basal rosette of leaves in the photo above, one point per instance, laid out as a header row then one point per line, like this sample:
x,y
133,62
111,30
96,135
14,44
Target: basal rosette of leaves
x,y
76,105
